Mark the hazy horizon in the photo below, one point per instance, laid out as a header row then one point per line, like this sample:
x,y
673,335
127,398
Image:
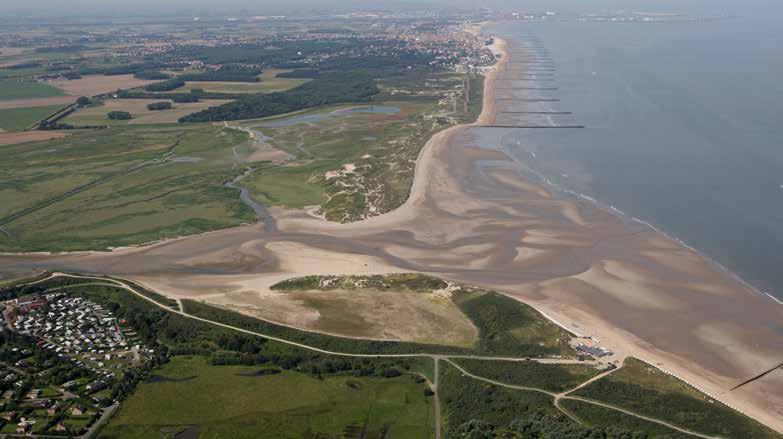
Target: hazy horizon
x,y
125,8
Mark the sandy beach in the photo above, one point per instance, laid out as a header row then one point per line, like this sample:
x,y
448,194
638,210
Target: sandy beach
x,y
472,217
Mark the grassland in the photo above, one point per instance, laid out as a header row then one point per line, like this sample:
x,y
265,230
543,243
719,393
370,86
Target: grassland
x,y
269,83
505,326
466,399
220,383
97,115
353,165
226,384
235,401
17,119
21,73
90,85
551,377
594,415
11,89
645,390
119,186
416,308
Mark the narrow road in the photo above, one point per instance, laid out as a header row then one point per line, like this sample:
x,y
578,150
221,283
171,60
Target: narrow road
x,y
437,397
436,358
627,412
559,396
595,378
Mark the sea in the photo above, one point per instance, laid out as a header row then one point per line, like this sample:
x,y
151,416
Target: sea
x,y
683,127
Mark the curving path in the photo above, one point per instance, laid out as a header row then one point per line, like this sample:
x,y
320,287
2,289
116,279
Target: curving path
x,y
435,357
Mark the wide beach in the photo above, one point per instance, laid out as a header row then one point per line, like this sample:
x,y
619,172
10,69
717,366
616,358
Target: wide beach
x,y
473,217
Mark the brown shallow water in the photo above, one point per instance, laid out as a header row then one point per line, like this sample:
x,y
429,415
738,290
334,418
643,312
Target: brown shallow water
x,y
474,218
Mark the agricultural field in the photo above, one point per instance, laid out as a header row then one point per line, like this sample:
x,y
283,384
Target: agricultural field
x,y
237,401
91,85
648,391
17,119
119,186
20,72
14,138
268,83
97,114
14,89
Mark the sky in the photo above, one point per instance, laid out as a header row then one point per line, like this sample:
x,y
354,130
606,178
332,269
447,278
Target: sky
x,y
295,7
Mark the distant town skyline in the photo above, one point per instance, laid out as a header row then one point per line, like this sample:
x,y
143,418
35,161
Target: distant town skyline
x,y
297,7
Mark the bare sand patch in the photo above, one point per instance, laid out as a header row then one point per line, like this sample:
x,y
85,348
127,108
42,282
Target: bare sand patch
x,y
262,154
473,255
29,136
510,178
388,315
91,85
529,254
555,237
627,286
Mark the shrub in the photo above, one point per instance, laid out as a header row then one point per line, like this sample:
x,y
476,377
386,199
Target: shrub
x,y
169,85
157,106
119,115
151,74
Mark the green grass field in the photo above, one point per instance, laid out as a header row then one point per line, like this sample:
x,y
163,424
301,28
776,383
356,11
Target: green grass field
x,y
147,184
465,399
17,119
595,415
230,401
380,149
507,326
98,114
269,83
24,89
552,377
645,390
21,73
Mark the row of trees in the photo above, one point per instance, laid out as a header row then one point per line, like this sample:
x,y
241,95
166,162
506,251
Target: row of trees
x,y
327,90
171,84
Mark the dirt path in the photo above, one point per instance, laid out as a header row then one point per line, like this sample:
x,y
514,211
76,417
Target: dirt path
x,y
556,397
595,378
435,357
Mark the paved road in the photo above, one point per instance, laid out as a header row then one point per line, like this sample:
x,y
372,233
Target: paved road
x,y
436,360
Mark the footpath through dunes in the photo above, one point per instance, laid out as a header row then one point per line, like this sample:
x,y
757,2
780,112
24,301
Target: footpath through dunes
x,y
474,217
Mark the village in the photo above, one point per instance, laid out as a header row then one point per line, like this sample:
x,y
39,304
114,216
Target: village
x,y
59,359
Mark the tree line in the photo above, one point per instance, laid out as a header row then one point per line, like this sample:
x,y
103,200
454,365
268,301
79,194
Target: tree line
x,y
327,90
